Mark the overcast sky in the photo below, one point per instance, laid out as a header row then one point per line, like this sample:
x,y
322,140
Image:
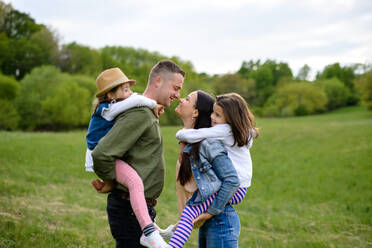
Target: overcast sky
x,y
218,35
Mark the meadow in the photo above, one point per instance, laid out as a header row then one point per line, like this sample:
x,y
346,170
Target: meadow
x,y
312,186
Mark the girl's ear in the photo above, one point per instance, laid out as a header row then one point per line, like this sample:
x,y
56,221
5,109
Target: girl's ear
x,y
195,113
110,96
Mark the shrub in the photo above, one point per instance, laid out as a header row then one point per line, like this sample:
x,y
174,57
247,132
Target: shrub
x,y
8,87
69,106
9,117
51,99
337,93
364,85
296,99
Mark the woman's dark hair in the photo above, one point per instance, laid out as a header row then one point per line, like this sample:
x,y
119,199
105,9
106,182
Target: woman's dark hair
x,y
204,105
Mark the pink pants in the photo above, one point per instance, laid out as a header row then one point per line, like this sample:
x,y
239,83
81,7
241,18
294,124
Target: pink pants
x,y
128,177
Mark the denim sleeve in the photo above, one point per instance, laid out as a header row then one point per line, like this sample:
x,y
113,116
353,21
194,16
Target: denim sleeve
x,y
226,172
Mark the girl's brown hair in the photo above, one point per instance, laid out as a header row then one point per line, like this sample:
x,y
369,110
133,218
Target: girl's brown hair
x,y
240,118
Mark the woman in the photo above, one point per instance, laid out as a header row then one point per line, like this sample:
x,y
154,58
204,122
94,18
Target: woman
x,y
222,225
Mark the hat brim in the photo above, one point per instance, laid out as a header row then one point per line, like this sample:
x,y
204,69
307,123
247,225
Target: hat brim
x,y
115,84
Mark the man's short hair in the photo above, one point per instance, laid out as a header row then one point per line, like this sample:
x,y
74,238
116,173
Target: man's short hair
x,y
165,66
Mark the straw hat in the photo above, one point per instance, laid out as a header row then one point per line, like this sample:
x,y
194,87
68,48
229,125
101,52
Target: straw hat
x,y
110,79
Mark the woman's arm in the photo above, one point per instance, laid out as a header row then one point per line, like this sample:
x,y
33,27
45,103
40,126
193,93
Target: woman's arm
x,y
196,135
134,100
226,172
217,156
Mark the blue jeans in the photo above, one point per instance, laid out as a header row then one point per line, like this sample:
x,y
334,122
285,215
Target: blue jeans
x,y
123,223
222,231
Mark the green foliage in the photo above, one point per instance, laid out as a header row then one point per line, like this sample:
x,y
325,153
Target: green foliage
x,y
364,85
344,74
303,73
266,77
75,58
69,106
292,99
235,83
337,93
49,98
9,117
8,87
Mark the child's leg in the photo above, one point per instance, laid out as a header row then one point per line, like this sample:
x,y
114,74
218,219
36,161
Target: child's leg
x,y
238,196
185,225
128,177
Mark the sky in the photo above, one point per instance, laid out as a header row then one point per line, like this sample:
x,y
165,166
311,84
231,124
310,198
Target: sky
x,y
218,35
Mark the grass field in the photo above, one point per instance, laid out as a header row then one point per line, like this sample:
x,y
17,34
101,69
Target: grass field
x,y
312,186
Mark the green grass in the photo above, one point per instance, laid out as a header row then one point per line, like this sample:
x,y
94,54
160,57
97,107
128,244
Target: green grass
x,y
312,186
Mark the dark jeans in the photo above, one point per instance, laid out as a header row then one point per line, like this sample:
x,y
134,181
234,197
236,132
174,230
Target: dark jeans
x,y
123,223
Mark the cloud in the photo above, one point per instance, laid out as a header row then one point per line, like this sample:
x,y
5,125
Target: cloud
x,y
217,36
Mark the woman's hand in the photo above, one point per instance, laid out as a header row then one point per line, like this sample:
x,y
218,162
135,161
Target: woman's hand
x,y
201,219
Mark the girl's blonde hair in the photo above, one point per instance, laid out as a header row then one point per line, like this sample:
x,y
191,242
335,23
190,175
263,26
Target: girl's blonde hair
x,y
105,99
240,118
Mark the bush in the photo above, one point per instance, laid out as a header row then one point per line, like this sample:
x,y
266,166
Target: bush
x,y
69,106
296,99
8,87
9,117
364,85
51,99
337,93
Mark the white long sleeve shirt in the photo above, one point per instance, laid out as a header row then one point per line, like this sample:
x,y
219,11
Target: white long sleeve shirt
x,y
240,156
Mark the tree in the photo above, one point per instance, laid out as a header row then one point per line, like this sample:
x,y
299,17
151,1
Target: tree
x,y
303,73
344,74
235,83
79,59
364,85
337,93
291,99
266,77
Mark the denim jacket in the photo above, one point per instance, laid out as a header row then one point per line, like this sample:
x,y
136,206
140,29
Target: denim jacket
x,y
213,172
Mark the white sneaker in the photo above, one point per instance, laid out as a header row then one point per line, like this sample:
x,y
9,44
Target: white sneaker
x,y
154,240
166,233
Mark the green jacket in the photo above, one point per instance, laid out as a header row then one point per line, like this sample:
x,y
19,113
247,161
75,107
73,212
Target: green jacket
x,y
136,139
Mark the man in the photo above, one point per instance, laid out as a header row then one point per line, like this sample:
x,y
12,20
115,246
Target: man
x,y
136,139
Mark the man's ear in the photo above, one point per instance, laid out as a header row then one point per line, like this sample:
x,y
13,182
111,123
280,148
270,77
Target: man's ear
x,y
157,81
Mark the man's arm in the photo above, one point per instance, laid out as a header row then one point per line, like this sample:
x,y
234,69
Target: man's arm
x,y
127,129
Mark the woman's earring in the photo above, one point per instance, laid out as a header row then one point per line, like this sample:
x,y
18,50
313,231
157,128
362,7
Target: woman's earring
x,y
192,118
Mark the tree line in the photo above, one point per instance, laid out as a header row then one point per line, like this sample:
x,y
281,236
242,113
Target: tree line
x,y
50,86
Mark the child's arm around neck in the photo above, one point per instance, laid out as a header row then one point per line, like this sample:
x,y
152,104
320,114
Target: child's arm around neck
x,y
135,100
196,135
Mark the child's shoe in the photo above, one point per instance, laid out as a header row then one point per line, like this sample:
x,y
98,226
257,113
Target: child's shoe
x,y
166,233
154,240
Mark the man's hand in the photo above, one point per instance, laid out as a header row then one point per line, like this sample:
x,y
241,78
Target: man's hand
x,y
201,219
158,110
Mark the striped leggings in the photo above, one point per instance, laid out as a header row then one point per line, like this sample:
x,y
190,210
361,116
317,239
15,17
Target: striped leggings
x,y
185,225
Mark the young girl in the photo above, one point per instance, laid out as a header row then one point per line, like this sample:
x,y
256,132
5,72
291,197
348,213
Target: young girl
x,y
113,98
234,125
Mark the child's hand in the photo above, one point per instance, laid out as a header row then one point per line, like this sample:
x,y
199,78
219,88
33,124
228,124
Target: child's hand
x,y
97,184
103,187
108,186
158,110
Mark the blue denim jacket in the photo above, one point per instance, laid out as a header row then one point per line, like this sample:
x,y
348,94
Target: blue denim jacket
x,y
213,172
